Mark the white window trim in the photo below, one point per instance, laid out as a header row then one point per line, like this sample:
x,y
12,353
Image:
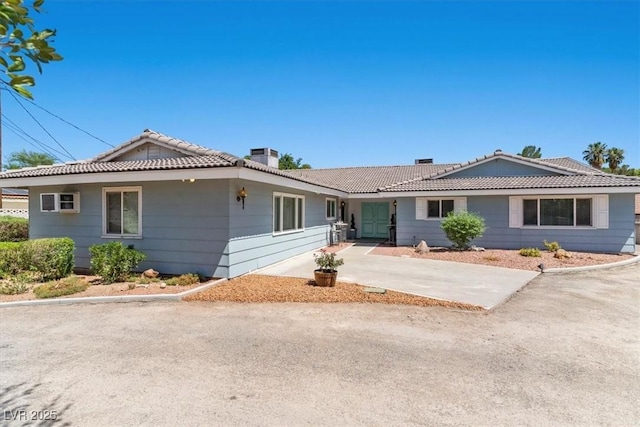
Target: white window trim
x,y
335,208
56,204
105,235
422,207
273,210
599,212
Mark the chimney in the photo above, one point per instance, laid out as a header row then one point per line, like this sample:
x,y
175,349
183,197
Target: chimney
x,y
266,156
424,161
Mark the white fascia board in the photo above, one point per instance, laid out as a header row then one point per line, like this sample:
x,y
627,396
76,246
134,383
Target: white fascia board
x,y
514,192
114,177
378,195
268,178
536,165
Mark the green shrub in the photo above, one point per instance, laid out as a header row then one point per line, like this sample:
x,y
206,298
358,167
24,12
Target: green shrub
x,y
51,257
462,227
184,280
552,246
10,262
13,229
531,252
113,261
68,286
14,288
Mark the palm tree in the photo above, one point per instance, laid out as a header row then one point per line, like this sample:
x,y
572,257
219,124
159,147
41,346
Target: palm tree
x,y
595,154
531,151
614,157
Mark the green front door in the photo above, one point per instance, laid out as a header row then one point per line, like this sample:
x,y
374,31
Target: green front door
x,y
375,220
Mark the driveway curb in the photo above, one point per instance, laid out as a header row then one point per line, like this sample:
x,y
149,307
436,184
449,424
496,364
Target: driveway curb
x,y
629,261
123,298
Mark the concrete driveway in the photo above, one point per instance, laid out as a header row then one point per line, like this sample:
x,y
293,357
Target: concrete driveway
x,y
563,352
468,283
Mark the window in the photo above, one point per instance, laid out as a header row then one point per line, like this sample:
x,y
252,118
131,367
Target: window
x,y
438,208
70,202
331,205
48,202
288,212
122,211
586,211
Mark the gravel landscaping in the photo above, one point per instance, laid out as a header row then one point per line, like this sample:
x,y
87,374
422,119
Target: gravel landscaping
x,y
254,288
114,289
504,258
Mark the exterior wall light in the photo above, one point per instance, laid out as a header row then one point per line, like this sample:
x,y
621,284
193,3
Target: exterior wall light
x,y
242,194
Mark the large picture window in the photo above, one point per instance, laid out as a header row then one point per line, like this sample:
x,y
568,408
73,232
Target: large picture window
x,y
122,211
288,212
568,212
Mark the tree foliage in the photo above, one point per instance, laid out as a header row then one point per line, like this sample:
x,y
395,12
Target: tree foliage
x,y
24,158
462,227
21,43
531,151
287,161
614,157
595,154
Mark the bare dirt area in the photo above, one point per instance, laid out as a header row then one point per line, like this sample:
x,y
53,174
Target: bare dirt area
x,y
254,288
504,258
101,290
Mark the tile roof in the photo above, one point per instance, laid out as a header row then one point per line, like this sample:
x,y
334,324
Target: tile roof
x,y
219,160
16,192
367,179
516,182
161,139
569,163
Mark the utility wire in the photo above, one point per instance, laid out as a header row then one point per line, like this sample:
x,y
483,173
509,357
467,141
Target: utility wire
x,y
29,142
11,125
40,124
71,124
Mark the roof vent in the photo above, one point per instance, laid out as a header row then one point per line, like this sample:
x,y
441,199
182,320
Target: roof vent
x,y
266,156
498,151
424,161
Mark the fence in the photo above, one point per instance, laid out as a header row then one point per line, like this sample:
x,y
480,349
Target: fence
x,y
21,213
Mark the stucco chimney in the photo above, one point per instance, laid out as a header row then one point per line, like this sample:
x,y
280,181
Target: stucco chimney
x,y
266,156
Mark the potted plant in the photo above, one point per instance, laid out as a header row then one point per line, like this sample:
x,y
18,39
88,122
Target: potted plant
x,y
327,270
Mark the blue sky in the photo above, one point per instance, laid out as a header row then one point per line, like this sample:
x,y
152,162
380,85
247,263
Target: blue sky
x,y
342,83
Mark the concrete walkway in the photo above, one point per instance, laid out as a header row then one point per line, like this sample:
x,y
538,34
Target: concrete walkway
x,y
468,283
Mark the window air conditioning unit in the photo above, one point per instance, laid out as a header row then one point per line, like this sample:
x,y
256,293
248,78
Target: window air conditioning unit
x,y
69,202
48,202
60,202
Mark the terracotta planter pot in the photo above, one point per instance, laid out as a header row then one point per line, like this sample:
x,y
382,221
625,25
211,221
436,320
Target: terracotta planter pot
x,y
325,279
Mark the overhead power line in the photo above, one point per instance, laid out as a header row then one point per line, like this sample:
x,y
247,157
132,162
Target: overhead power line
x,y
40,124
71,124
21,133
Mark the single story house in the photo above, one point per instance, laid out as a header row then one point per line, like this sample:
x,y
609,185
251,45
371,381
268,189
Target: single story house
x,y
194,209
15,202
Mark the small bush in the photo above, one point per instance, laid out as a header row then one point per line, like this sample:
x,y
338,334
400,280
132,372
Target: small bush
x,y
113,261
552,246
530,252
52,257
462,227
13,229
14,288
184,280
10,263
68,286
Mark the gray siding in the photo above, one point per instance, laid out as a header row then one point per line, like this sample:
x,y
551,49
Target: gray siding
x,y
501,167
619,237
253,245
184,225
